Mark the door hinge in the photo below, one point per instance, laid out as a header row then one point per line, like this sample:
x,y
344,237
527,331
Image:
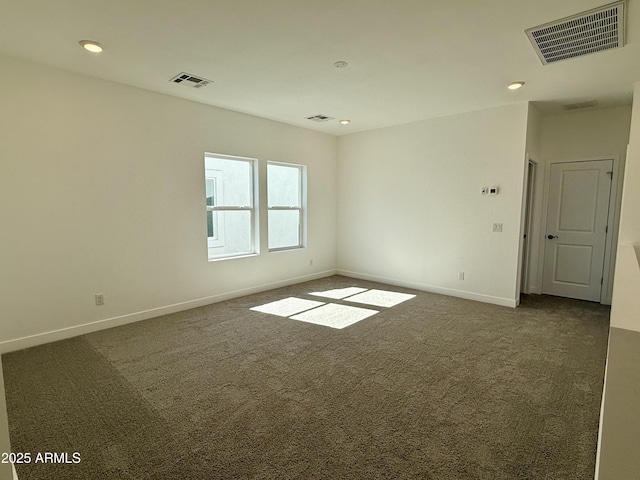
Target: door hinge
x,y
601,280
606,229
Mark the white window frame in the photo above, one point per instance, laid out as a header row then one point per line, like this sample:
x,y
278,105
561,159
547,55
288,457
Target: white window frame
x,y
252,208
301,208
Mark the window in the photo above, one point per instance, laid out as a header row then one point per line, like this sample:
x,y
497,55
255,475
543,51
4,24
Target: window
x,y
231,213
285,201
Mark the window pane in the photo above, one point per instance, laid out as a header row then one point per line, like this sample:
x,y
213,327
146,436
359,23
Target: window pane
x,y
215,232
211,227
211,191
238,233
283,185
284,228
233,185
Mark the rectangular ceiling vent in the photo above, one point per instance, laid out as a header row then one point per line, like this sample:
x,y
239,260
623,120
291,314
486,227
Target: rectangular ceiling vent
x,y
320,118
190,80
580,105
588,32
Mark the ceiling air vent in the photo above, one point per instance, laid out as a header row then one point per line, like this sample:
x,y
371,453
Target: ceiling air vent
x,y
320,118
190,80
588,32
579,105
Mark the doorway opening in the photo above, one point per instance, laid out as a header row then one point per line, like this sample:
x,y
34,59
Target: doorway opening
x,y
528,215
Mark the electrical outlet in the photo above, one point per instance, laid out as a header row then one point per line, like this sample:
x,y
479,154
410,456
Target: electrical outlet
x,y
496,228
460,275
99,299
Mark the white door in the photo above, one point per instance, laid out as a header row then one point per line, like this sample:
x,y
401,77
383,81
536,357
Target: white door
x,y
577,229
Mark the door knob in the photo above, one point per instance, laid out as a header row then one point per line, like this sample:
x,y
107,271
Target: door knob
x,y
551,237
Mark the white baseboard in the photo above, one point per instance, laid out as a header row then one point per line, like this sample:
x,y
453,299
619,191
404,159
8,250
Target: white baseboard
x,y
478,297
69,332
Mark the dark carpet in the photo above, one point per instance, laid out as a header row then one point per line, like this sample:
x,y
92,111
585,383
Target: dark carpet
x,y
434,388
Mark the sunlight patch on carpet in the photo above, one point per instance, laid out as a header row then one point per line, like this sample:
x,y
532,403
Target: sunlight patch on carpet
x,y
287,306
380,298
335,316
339,293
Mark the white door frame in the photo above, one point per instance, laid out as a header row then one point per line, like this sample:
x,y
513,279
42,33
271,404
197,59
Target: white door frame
x,y
527,212
614,220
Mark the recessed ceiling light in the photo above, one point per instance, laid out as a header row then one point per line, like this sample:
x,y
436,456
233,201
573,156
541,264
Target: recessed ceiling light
x,y
90,45
345,122
515,85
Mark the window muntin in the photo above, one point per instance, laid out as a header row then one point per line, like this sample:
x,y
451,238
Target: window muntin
x,y
285,201
230,207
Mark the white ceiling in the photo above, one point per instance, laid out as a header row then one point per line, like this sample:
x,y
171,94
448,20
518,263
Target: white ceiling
x,y
408,59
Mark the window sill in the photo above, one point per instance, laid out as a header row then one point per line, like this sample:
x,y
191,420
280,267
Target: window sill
x,y
285,249
232,257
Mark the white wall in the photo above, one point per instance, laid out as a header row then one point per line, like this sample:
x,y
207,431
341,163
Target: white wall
x,y
625,309
534,124
620,418
586,133
410,208
581,135
102,191
5,469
